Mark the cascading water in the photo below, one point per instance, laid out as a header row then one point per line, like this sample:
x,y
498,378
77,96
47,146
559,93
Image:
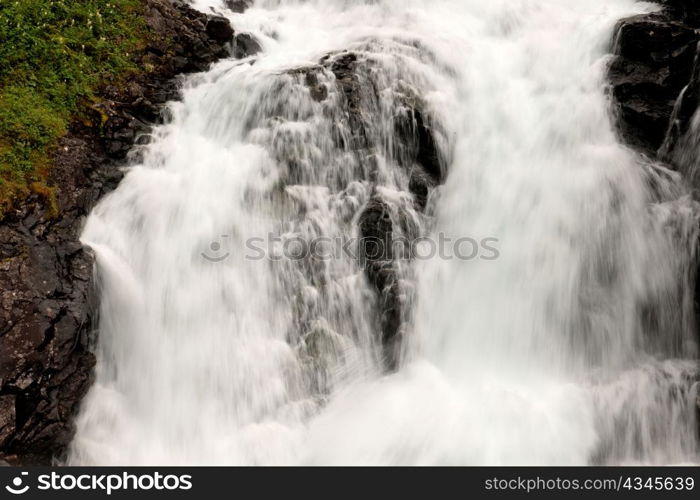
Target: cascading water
x,y
576,345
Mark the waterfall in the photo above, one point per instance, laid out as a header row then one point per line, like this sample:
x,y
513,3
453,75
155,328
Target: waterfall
x,y
533,300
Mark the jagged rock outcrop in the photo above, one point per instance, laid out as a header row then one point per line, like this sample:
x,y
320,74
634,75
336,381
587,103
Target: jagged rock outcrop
x,y
655,55
47,316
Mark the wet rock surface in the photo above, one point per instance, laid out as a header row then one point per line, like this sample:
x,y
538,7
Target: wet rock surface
x,y
654,61
237,6
245,45
47,320
219,29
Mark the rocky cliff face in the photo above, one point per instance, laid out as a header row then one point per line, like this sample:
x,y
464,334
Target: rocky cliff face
x,y
47,317
655,82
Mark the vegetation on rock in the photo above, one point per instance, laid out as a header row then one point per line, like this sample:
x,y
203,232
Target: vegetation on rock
x,y
54,54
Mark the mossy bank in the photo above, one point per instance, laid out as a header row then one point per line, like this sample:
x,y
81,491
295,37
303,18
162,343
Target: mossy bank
x,y
54,56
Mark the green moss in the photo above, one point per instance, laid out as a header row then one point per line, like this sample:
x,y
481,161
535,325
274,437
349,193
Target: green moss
x,y
54,55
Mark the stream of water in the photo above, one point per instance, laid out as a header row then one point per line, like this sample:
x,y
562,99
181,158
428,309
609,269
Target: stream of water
x,y
575,345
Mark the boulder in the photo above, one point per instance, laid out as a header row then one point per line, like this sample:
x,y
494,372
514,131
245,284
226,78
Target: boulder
x,y
238,6
245,45
219,29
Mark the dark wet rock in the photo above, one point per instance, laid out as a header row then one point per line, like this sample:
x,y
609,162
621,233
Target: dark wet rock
x,y
219,29
344,67
421,184
47,308
427,155
657,39
687,11
416,139
319,91
376,229
416,146
377,258
245,45
238,6
7,418
654,61
681,142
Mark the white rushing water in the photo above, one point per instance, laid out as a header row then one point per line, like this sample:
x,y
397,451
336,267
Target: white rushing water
x,y
575,346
